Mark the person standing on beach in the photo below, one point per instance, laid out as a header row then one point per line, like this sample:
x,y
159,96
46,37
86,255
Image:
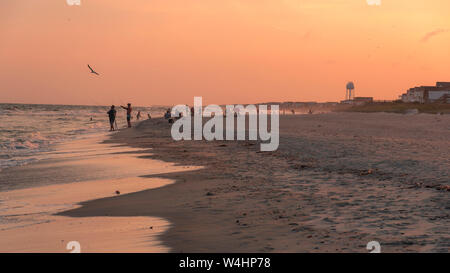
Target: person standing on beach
x,y
167,115
112,117
128,108
138,116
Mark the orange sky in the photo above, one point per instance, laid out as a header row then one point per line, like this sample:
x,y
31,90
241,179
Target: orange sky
x,y
228,51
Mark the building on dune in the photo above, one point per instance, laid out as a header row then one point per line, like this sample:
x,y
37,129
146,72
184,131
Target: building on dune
x,y
362,100
428,94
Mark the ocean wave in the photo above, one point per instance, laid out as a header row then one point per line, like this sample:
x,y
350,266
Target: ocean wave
x,y
27,130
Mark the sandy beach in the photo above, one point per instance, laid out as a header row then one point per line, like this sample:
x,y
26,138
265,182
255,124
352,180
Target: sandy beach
x,y
115,137
337,182
78,171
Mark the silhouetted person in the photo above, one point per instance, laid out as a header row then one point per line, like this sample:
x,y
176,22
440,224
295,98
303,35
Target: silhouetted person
x,y
128,108
112,117
167,115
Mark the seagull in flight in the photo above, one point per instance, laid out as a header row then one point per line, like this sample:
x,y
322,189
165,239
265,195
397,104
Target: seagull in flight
x,y
92,70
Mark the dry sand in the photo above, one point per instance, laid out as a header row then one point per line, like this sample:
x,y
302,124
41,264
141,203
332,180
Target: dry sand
x,y
337,181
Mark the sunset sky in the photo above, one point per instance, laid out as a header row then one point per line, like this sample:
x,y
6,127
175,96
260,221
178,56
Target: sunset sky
x,y
164,52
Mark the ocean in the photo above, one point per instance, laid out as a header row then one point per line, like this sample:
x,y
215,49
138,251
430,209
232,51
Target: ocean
x,y
29,132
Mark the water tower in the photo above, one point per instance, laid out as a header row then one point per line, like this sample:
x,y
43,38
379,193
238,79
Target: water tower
x,y
350,93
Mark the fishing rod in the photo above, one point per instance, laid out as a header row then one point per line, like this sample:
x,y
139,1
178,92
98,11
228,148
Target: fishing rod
x,y
116,99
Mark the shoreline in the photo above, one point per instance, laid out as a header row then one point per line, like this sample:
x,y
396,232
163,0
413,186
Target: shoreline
x,y
82,170
324,190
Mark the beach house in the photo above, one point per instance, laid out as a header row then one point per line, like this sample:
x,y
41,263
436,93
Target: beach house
x,y
428,94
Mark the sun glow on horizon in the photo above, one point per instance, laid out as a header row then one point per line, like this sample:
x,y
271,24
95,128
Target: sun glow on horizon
x,y
238,51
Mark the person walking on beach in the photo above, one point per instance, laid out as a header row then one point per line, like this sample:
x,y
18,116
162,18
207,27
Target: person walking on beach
x,y
112,117
128,108
138,116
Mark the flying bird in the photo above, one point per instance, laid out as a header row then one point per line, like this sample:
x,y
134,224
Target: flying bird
x,y
92,70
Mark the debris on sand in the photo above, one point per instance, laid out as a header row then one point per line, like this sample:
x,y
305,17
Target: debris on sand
x,y
432,186
367,172
303,166
209,194
417,185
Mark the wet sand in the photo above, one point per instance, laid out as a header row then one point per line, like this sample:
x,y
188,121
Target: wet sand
x,y
79,171
337,182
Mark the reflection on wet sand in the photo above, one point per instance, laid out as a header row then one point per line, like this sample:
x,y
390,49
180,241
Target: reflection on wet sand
x,y
27,216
